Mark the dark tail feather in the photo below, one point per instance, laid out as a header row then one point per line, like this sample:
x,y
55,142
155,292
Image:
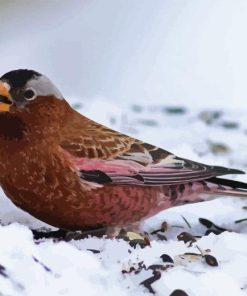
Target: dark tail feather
x,y
220,171
229,187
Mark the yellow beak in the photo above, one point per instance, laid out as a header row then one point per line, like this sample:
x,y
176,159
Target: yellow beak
x,y
5,98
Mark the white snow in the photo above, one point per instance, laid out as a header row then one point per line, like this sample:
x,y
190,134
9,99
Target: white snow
x,y
69,268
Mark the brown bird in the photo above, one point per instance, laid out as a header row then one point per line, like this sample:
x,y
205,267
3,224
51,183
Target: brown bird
x,y
74,173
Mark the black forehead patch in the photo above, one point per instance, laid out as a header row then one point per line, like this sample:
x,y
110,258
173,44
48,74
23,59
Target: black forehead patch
x,y
18,78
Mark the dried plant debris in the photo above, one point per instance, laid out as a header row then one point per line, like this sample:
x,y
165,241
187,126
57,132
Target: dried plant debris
x,y
186,238
240,220
186,221
149,281
46,268
178,292
211,227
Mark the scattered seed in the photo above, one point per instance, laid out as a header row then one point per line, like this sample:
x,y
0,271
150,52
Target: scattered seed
x,y
212,228
211,260
166,258
186,237
137,242
94,251
147,241
164,226
178,292
214,231
148,282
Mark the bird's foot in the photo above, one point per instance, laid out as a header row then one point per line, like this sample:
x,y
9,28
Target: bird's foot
x,y
134,238
67,235
129,233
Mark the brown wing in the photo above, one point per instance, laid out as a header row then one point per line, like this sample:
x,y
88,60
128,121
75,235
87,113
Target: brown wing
x,y
83,137
103,155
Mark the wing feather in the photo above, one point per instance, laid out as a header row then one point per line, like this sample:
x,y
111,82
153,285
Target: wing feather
x,y
102,155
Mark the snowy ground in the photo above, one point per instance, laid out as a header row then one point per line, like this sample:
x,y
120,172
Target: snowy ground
x,y
98,266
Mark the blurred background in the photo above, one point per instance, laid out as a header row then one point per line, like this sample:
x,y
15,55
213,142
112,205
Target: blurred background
x,y
174,52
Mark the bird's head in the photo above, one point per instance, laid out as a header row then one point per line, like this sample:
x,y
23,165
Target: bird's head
x,y
22,88
30,103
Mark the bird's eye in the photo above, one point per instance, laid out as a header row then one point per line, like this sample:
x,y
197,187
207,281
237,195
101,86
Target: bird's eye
x,y
29,94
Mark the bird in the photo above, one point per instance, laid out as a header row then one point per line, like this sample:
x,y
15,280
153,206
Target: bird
x,y
75,174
